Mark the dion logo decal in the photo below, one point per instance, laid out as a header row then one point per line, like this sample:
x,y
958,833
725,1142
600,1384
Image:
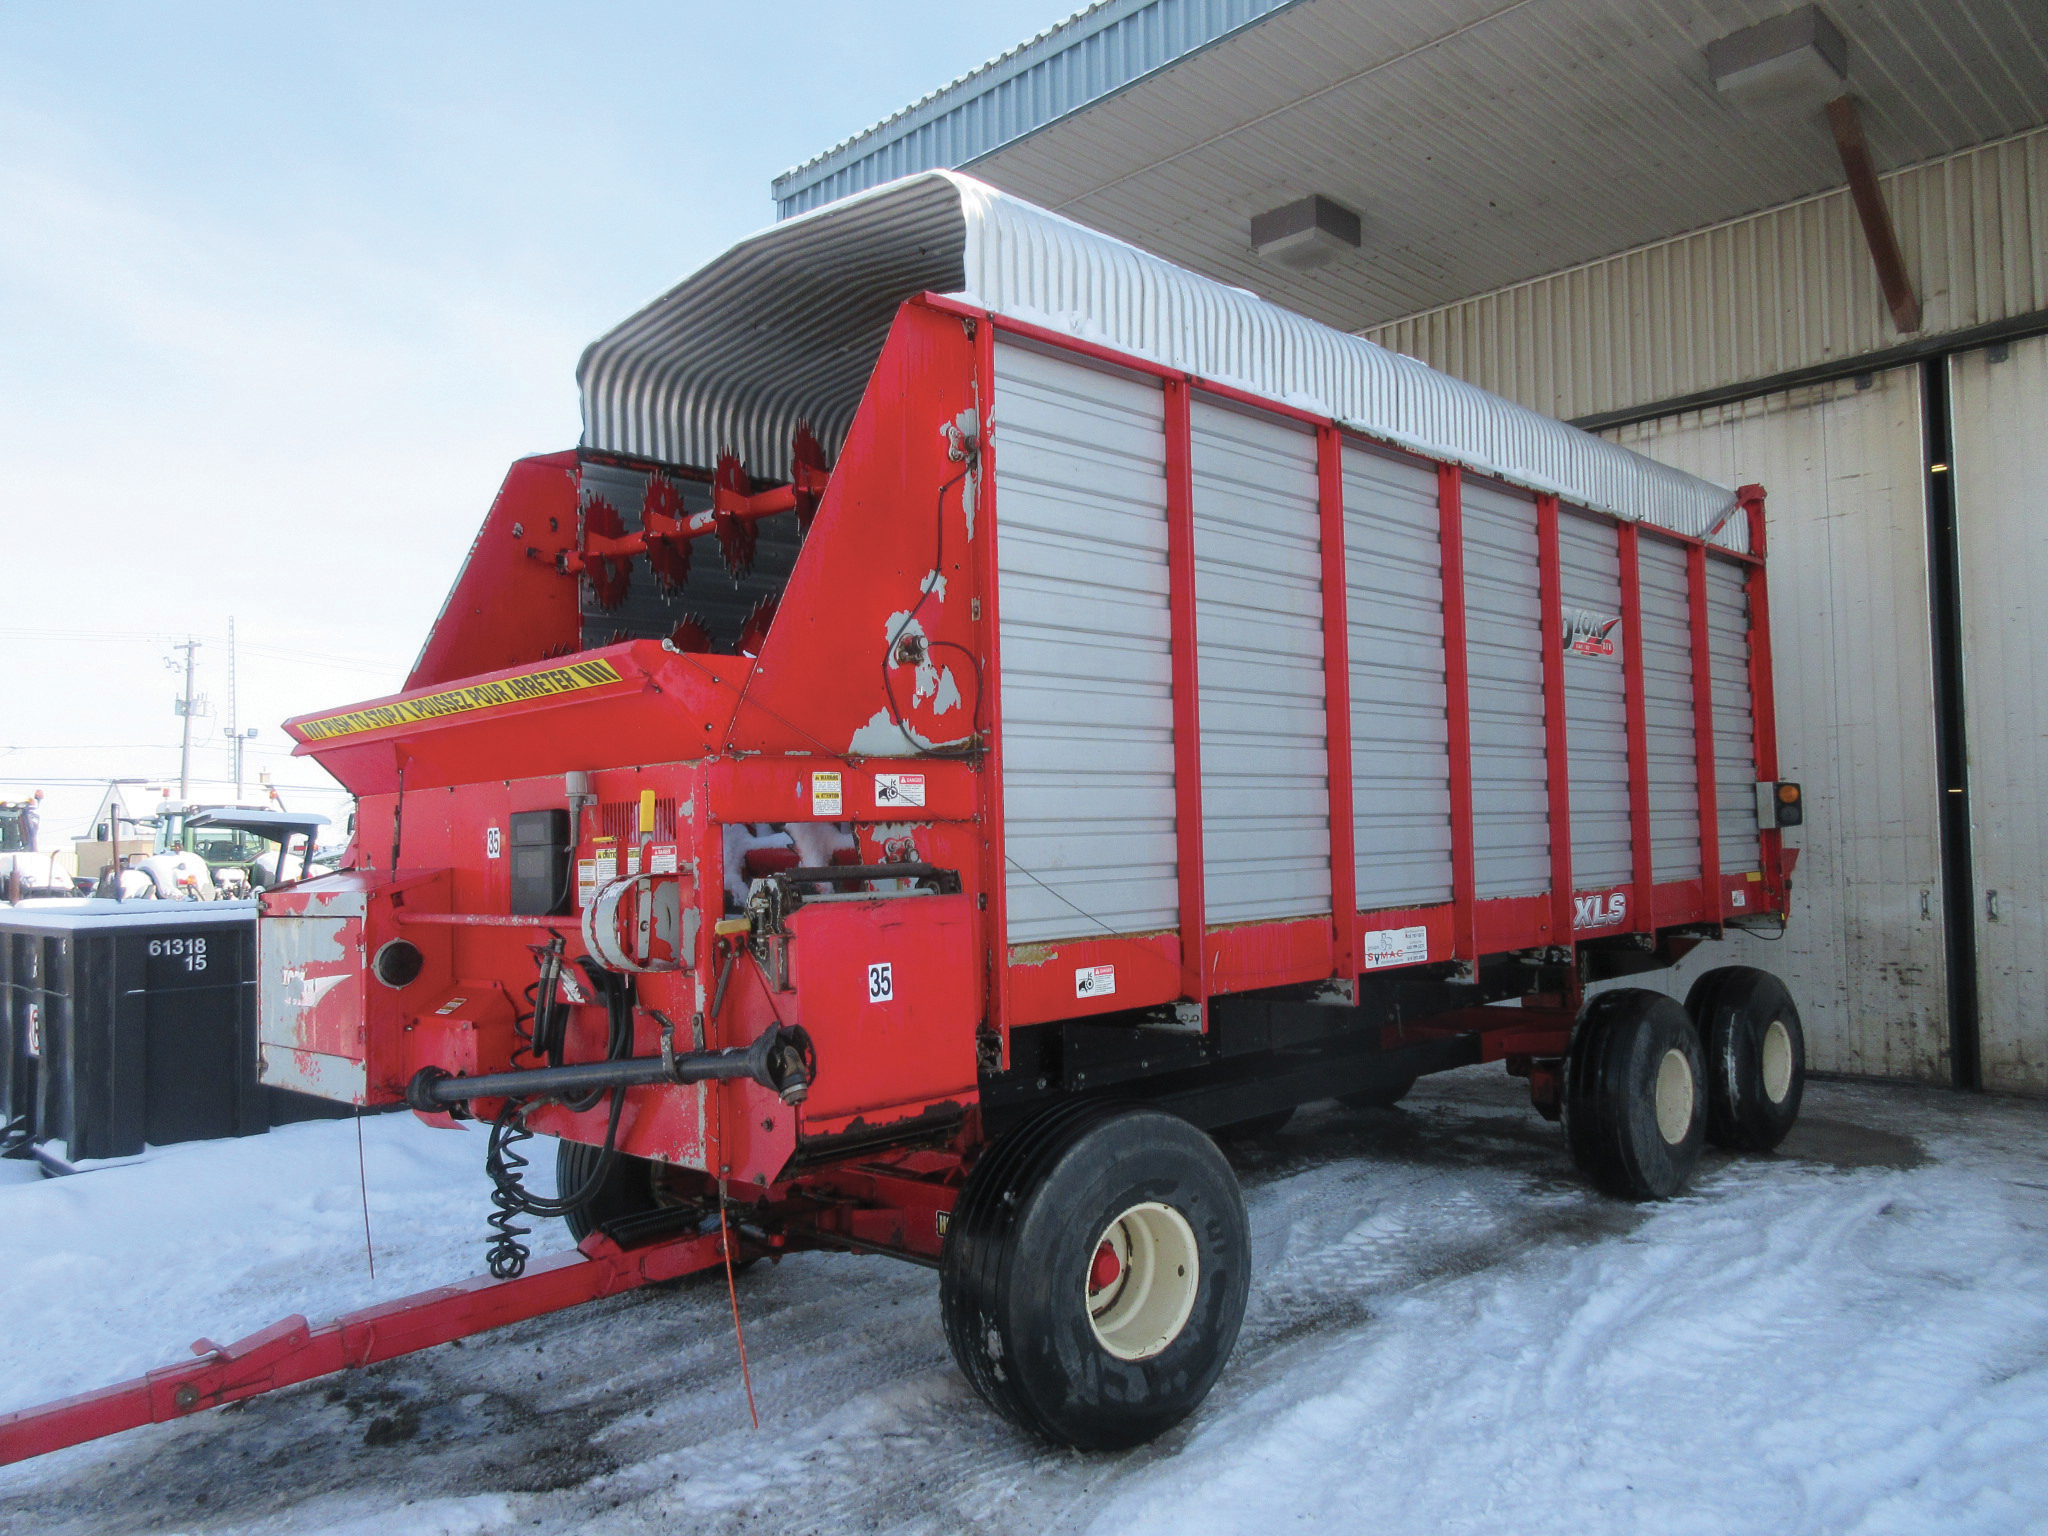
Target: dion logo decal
x,y
1587,633
1600,911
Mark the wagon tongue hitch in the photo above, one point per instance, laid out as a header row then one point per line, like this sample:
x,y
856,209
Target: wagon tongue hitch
x,y
781,1060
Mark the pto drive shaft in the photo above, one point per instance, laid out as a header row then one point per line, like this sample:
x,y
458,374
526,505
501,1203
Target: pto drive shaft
x,y
780,1060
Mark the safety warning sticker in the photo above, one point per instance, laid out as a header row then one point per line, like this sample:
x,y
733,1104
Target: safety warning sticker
x,y
586,881
826,798
1396,946
1094,981
661,858
461,701
898,789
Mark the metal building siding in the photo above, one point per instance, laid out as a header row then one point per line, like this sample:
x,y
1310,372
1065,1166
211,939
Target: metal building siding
x,y
1085,58
1259,629
1759,296
1666,642
1490,141
1400,743
1734,718
1999,450
1596,706
1855,706
1088,806
1504,651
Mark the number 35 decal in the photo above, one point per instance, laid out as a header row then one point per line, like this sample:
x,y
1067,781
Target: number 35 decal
x,y
881,982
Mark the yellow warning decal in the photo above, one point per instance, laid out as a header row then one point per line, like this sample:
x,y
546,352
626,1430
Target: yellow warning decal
x,y
461,701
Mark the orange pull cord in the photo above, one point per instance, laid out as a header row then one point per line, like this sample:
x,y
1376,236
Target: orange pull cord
x,y
733,1292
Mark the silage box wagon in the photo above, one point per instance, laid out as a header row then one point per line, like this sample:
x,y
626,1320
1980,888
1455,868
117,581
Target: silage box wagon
x,y
984,709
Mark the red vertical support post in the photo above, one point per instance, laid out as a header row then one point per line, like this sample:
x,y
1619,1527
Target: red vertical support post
x,y
1556,735
1643,899
1187,707
1337,704
1763,698
995,860
1450,500
1703,730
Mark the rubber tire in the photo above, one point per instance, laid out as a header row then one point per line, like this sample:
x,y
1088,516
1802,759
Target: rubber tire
x,y
1256,1128
1385,1097
1733,1008
628,1189
1012,1275
1610,1094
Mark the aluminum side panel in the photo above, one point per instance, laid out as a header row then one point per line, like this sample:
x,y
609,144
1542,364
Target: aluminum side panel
x,y
1504,633
1400,746
1259,627
1596,705
1667,708
1087,676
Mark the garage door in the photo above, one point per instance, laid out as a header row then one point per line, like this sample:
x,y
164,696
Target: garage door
x,y
1843,466
1999,411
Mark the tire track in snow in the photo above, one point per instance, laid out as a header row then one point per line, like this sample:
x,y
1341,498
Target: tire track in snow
x,y
1377,1237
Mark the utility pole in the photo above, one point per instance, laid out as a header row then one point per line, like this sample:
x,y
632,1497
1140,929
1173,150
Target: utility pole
x,y
185,708
234,715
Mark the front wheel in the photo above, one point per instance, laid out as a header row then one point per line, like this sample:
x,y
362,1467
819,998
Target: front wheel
x,y
632,1186
1095,1273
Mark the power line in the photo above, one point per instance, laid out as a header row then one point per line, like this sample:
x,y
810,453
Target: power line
x,y
99,781
160,637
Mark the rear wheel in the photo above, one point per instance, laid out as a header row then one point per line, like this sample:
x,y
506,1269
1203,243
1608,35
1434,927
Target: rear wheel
x,y
1095,1273
1755,1056
1635,1095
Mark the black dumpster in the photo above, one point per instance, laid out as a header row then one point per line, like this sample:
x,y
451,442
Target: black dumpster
x,y
131,1023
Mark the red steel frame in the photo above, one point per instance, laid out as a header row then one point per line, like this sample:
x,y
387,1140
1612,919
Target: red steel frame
x,y
1337,700
1643,900
1556,738
1703,728
1187,691
1450,489
1762,686
995,869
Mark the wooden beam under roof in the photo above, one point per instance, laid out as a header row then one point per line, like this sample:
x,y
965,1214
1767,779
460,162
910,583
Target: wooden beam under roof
x,y
1878,233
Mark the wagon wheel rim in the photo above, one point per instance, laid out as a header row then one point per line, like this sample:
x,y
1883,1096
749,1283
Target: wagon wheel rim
x,y
1776,1061
1674,1097
1142,1277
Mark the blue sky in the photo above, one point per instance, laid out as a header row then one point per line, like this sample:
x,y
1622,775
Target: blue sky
x,y
283,288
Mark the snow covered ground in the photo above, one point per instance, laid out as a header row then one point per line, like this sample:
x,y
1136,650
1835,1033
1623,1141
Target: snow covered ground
x,y
1447,1333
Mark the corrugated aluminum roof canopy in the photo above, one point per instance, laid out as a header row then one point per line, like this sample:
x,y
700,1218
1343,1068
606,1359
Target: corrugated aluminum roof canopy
x,y
787,325
1484,141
